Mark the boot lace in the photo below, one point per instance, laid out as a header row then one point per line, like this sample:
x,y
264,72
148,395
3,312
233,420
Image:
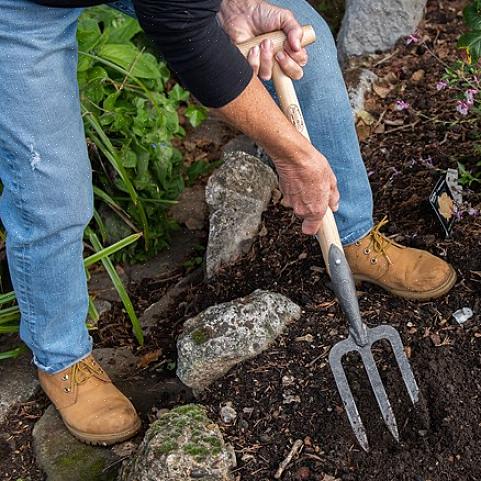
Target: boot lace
x,y
378,242
84,370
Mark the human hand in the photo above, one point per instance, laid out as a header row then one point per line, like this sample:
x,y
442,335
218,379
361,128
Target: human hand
x,y
246,19
309,188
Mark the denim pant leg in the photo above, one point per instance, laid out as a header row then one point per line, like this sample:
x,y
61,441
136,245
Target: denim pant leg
x,y
46,176
328,115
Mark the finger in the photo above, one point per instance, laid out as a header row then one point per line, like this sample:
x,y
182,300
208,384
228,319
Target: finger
x,y
289,67
300,57
266,60
292,29
253,57
334,200
311,225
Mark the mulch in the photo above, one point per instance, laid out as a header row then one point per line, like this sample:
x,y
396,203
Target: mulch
x,y
288,393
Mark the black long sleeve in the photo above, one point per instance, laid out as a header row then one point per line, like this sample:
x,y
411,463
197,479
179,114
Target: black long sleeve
x,y
189,37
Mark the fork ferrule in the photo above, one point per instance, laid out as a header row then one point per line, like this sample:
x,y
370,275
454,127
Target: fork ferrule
x,y
345,289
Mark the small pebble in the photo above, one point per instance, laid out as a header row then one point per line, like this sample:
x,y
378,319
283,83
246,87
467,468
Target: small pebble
x,y
228,414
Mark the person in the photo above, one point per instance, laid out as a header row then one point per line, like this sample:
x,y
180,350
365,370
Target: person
x,y
47,193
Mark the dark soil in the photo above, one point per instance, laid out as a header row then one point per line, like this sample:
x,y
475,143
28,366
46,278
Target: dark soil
x,y
288,392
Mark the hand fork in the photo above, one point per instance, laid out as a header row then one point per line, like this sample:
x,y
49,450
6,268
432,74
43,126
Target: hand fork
x,y
361,338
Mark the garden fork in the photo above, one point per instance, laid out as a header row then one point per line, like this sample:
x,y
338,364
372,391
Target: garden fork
x,y
361,338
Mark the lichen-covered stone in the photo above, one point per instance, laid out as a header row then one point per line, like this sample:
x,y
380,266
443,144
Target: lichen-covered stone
x,y
182,445
237,194
372,25
226,334
64,458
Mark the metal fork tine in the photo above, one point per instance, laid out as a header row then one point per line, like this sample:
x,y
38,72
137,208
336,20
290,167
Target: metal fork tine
x,y
389,333
335,361
379,391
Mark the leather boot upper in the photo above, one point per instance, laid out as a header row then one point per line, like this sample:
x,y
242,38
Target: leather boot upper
x,y
404,271
90,405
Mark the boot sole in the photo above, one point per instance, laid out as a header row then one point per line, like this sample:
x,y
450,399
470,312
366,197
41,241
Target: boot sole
x,y
413,295
105,439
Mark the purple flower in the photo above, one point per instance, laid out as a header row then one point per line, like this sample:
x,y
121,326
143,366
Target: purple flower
x,y
428,162
401,105
441,85
462,107
413,38
469,94
473,211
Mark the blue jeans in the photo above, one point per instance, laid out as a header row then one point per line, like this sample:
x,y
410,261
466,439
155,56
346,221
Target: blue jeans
x,y
47,192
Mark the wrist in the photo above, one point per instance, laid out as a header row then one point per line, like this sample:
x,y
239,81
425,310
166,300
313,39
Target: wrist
x,y
292,153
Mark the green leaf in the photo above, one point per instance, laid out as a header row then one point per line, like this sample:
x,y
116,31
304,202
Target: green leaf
x,y
124,29
88,33
119,286
108,251
84,63
109,102
472,17
178,94
12,353
129,57
129,158
472,42
196,115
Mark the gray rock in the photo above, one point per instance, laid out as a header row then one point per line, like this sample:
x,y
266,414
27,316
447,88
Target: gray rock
x,y
119,363
191,208
102,288
63,458
237,195
241,143
359,82
102,306
116,228
183,245
182,445
160,308
18,383
372,25
226,334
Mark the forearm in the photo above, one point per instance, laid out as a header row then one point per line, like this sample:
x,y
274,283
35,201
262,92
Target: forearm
x,y
255,113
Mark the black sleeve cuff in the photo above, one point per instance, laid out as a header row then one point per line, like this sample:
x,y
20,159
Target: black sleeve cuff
x,y
196,48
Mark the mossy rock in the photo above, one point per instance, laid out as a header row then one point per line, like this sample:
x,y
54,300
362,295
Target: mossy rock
x,y
182,444
63,458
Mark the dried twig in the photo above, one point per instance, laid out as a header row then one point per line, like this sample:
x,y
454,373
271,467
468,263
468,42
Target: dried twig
x,y
296,447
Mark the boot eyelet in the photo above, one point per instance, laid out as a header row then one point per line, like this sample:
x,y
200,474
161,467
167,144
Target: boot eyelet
x,y
65,378
67,390
357,243
367,251
373,260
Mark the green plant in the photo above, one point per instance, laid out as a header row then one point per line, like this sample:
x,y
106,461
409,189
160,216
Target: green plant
x,y
463,81
129,106
471,40
10,312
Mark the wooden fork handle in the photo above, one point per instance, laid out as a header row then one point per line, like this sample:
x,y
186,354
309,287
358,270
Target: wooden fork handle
x,y
328,233
278,38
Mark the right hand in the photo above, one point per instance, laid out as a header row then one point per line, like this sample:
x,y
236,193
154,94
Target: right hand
x,y
309,187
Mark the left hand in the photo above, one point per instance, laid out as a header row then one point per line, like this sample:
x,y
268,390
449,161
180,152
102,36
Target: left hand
x,y
245,19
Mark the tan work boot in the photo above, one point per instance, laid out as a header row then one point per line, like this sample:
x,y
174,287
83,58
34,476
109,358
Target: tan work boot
x,y
403,271
92,408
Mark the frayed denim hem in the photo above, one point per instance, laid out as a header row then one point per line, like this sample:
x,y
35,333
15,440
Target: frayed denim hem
x,y
57,369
